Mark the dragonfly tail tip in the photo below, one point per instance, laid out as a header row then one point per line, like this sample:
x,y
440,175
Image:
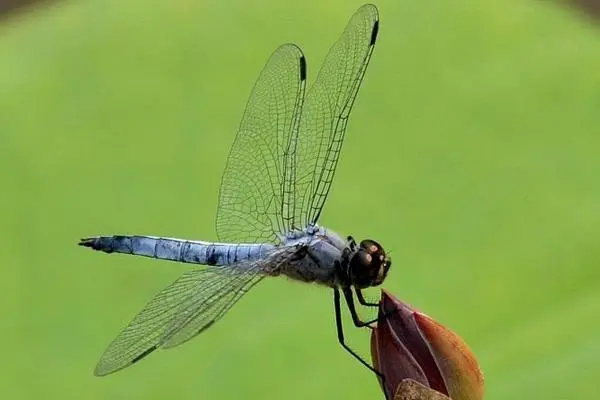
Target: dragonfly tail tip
x,y
87,242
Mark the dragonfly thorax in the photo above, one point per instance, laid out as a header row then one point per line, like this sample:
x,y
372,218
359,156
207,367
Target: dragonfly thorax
x,y
368,265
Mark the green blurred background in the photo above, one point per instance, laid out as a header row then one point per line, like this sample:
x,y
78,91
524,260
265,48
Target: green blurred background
x,y
478,122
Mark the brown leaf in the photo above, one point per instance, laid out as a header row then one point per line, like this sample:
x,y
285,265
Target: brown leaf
x,y
413,390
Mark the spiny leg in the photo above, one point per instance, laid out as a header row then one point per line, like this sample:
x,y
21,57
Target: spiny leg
x,y
355,318
340,333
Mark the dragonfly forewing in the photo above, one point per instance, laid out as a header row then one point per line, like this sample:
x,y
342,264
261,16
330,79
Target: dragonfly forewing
x,y
255,202
326,111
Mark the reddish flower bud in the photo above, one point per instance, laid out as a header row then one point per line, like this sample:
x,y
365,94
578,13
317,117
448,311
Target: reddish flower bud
x,y
407,344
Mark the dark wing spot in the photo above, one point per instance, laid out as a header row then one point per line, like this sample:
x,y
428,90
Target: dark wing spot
x,y
374,33
208,325
302,68
144,354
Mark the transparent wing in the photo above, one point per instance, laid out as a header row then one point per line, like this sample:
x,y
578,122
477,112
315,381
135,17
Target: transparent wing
x,y
187,307
254,200
326,111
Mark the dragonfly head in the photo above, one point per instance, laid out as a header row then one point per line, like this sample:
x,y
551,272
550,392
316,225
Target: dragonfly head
x,y
369,265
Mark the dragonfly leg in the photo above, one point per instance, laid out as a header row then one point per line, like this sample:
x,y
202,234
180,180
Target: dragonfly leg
x,y
355,318
362,301
340,333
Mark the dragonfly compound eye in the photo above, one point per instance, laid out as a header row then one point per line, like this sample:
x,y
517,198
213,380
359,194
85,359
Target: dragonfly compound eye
x,y
369,265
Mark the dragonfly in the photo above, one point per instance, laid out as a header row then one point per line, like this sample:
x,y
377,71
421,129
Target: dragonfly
x,y
277,177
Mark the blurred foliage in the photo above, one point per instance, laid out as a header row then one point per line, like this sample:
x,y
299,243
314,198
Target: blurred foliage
x,y
472,154
590,8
